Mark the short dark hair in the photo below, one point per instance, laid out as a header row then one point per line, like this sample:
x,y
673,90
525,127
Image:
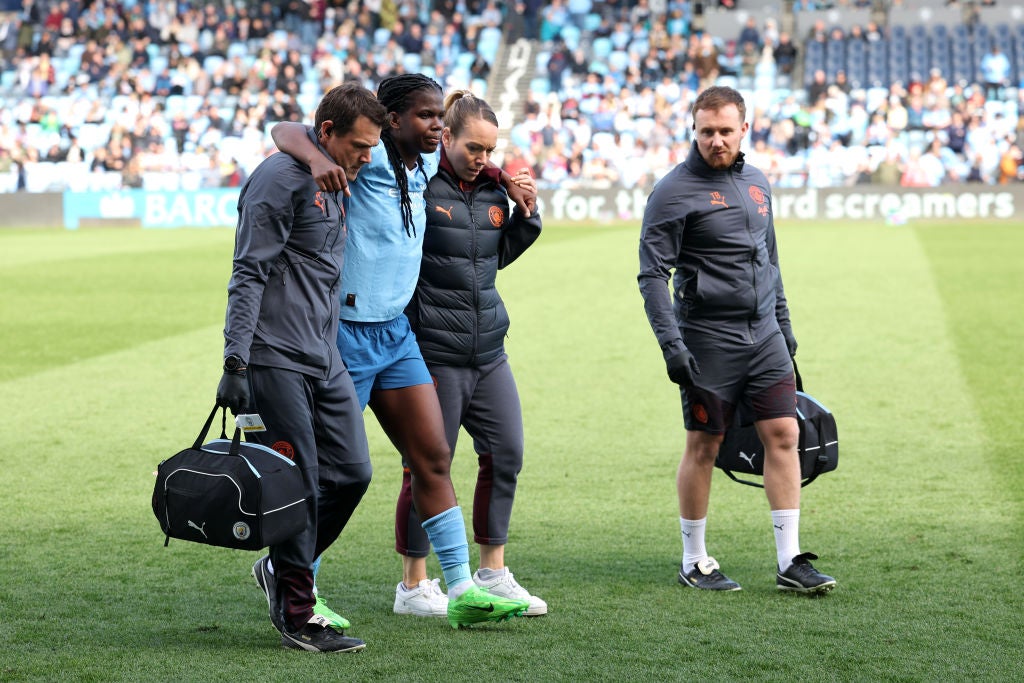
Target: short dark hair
x,y
718,96
345,103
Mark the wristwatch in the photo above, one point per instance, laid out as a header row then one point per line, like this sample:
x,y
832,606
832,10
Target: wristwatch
x,y
233,364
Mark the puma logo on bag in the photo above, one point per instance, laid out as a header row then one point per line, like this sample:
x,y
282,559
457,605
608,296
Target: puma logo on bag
x,y
748,458
198,528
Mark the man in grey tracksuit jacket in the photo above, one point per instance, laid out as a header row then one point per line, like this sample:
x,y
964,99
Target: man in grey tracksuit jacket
x,y
715,229
281,359
726,339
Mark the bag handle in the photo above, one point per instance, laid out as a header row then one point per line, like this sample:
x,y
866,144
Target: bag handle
x,y
206,428
811,477
819,464
236,440
736,479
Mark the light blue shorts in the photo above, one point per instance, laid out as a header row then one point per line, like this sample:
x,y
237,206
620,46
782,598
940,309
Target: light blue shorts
x,y
381,356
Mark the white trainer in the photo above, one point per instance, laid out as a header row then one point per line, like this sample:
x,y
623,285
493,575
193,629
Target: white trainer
x,y
425,600
506,586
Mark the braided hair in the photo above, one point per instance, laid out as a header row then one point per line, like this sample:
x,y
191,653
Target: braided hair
x,y
395,94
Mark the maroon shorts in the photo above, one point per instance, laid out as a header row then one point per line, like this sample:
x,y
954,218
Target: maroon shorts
x,y
759,377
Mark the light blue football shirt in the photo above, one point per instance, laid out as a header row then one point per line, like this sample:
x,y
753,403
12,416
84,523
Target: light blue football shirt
x,y
382,260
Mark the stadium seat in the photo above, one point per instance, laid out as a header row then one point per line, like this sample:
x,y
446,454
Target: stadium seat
x,y
93,135
600,48
981,47
857,73
238,49
381,36
540,61
74,55
1006,46
618,60
728,82
816,50
835,51
41,177
639,47
211,63
939,50
307,102
488,43
465,60
962,71
677,26
918,61
571,36
411,62
161,181
9,181
7,79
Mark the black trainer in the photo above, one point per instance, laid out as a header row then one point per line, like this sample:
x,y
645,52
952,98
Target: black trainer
x,y
802,577
318,636
268,584
705,575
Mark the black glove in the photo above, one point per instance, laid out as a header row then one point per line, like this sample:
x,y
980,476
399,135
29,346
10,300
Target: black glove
x,y
233,390
790,342
682,368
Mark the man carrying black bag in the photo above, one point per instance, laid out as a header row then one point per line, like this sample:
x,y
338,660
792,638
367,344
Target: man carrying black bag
x,y
727,339
281,360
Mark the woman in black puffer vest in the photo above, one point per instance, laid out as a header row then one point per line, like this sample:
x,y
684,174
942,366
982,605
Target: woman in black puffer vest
x,y
460,323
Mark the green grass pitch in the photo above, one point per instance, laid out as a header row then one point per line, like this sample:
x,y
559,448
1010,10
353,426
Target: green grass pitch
x,y
111,347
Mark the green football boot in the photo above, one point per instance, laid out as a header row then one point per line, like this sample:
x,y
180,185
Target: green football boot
x,y
476,605
338,622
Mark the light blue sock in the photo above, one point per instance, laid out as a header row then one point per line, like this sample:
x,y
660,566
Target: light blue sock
x,y
447,533
316,569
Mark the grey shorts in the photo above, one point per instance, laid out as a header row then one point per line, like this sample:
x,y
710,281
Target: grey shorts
x,y
754,377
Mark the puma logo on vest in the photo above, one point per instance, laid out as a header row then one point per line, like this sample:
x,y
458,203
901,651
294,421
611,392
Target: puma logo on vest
x,y
446,212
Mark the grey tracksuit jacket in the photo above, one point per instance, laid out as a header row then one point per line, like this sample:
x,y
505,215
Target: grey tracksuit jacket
x,y
715,229
456,312
283,303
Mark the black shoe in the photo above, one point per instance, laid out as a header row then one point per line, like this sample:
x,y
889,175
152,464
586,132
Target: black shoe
x,y
705,575
268,584
802,577
318,636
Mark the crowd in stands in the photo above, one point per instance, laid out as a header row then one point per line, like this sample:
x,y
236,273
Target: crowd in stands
x,y
168,94
612,106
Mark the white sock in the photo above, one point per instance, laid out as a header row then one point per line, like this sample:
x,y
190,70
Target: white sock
x,y
787,536
458,589
486,574
693,541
